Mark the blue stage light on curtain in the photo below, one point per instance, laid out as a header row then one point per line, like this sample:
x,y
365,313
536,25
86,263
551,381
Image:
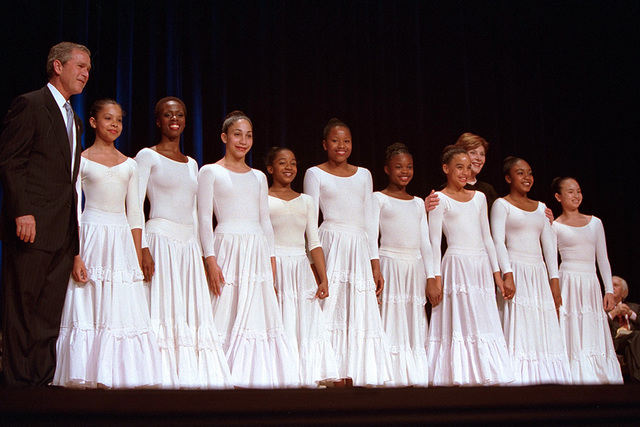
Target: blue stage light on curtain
x,y
125,78
196,121
78,102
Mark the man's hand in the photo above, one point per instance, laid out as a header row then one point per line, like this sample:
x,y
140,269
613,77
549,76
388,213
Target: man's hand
x,y
26,228
621,309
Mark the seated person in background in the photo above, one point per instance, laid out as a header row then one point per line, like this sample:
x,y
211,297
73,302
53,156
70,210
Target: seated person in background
x,y
625,326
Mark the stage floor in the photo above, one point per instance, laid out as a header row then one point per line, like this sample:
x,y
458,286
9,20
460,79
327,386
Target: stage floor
x,y
561,405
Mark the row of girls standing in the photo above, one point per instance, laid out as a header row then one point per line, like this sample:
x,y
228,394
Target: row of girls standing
x,y
323,322
532,292
471,341
138,310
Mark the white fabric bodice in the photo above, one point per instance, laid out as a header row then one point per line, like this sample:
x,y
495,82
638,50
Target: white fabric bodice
x,y
171,186
293,220
585,245
520,232
465,225
239,202
111,189
403,227
344,201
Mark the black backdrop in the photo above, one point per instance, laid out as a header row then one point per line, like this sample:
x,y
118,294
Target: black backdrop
x,y
555,82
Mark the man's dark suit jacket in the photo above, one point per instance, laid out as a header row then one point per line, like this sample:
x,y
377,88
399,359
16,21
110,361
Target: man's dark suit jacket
x,y
614,324
628,346
35,160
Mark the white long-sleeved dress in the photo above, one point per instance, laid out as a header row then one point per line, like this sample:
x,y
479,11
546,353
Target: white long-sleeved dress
x,y
348,236
466,345
246,314
529,319
180,301
582,318
302,315
406,261
105,335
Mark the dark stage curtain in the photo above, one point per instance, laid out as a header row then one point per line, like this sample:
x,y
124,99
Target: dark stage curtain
x,y
555,82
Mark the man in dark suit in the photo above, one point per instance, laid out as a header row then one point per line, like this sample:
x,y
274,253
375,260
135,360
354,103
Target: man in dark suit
x,y
39,160
625,328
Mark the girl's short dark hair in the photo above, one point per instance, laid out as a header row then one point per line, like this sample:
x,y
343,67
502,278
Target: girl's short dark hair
x,y
395,149
159,104
272,153
508,163
332,123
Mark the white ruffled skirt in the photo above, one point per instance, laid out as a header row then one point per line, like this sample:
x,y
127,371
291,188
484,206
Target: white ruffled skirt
x,y
105,336
466,345
247,316
404,317
303,318
351,310
531,327
181,310
585,327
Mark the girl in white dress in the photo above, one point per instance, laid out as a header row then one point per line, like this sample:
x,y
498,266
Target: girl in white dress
x,y
406,263
583,320
466,345
240,262
344,193
293,216
105,335
522,233
180,301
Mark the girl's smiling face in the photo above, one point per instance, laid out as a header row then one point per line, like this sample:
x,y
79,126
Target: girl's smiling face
x,y
458,170
338,144
400,169
284,167
172,119
107,123
570,196
238,139
520,177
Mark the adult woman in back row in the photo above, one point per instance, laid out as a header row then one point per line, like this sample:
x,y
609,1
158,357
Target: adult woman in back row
x,y
476,147
466,345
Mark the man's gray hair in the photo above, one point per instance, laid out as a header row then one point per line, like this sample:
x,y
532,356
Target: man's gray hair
x,y
62,52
